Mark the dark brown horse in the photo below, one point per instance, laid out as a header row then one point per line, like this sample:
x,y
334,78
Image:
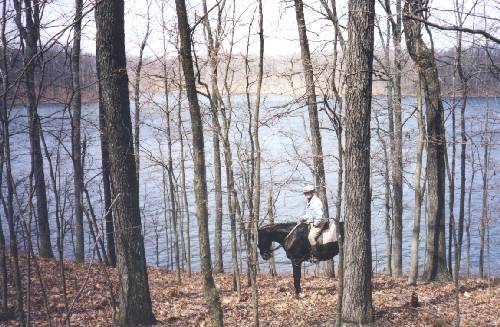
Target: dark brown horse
x,y
293,239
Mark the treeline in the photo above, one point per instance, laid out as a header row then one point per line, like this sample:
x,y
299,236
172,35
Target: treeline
x,y
53,76
282,73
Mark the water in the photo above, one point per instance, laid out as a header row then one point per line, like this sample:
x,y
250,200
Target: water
x,y
285,151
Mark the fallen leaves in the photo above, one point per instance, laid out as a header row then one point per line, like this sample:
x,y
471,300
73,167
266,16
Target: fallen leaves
x,y
183,304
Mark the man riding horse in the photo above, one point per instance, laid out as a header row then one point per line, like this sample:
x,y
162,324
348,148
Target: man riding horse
x,y
300,240
313,214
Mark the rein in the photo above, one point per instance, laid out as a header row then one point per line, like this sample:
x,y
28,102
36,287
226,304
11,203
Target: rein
x,y
290,233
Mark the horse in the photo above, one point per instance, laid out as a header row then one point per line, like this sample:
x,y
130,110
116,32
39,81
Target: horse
x,y
293,238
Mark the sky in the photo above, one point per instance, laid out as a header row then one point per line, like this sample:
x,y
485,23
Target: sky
x,y
280,28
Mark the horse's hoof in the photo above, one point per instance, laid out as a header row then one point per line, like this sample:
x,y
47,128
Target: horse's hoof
x,y
299,296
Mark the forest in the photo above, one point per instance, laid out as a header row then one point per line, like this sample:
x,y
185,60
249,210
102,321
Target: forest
x,y
260,163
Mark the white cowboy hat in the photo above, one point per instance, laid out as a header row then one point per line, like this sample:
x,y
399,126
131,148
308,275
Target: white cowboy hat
x,y
308,188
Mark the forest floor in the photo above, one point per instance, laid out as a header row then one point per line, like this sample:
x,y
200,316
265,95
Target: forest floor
x,y
91,295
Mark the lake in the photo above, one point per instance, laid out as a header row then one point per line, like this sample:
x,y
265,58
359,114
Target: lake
x,y
285,152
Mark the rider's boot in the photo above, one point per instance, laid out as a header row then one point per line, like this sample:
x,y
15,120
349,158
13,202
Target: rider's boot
x,y
314,253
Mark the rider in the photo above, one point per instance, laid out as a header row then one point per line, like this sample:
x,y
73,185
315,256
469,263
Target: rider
x,y
314,216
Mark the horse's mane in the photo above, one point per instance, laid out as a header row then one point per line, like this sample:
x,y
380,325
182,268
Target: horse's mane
x,y
270,227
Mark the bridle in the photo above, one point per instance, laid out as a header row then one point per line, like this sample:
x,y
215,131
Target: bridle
x,y
286,237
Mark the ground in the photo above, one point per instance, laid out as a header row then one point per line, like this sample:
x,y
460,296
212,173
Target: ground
x,y
183,305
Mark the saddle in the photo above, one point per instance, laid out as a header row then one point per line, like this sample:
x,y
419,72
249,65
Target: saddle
x,y
328,234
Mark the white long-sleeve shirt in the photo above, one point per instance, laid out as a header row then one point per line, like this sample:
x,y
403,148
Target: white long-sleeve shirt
x,y
314,210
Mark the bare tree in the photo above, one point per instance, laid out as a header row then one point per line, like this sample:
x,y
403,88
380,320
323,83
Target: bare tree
x,y
8,203
29,34
135,301
423,57
484,200
419,190
106,183
317,150
137,93
76,107
396,135
211,294
213,46
357,297
256,177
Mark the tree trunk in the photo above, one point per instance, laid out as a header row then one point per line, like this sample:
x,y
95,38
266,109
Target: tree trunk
x,y
186,214
200,187
137,100
317,150
387,177
412,275
435,259
256,178
484,201
30,36
397,163
105,164
134,297
270,216
76,107
9,204
469,211
213,49
463,105
171,185
357,297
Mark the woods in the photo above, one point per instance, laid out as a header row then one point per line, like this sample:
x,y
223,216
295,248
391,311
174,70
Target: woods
x,y
183,195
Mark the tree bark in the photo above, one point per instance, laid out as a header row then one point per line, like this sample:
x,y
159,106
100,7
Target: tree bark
x,y
134,297
30,36
211,294
213,49
463,106
397,153
270,217
256,178
106,184
357,297
317,150
9,204
171,185
137,100
413,273
435,259
186,213
76,107
484,201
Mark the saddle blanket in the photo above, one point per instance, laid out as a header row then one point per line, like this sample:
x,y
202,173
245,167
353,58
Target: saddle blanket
x,y
328,235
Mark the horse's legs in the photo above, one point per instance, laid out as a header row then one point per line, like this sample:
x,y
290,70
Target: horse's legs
x,y
296,277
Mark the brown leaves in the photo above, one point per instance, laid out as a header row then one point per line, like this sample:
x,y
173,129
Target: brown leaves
x,y
184,305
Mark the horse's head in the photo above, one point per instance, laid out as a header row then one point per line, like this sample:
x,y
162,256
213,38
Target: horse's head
x,y
264,243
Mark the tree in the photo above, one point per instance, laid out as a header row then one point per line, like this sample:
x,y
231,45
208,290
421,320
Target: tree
x,y
419,190
256,177
200,182
134,298
137,94
423,57
8,204
396,135
29,34
317,151
106,183
76,106
357,296
213,46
